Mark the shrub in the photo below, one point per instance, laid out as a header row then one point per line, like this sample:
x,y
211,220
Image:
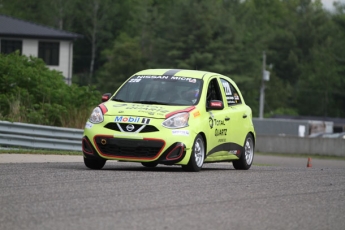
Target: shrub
x,y
32,93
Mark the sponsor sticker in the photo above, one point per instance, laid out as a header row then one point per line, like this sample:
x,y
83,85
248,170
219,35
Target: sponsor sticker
x,y
180,132
88,125
127,119
216,103
119,105
233,152
219,122
210,121
145,121
220,132
164,77
196,114
152,77
147,108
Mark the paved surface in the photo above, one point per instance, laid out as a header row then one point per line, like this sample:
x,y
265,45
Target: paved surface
x,y
258,159
66,195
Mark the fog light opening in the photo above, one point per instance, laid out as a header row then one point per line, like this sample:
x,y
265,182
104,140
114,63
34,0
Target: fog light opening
x,y
175,153
86,147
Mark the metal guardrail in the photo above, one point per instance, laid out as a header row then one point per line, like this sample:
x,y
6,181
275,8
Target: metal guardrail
x,y
22,135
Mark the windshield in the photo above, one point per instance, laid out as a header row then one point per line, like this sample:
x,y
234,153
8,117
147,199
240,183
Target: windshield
x,y
163,90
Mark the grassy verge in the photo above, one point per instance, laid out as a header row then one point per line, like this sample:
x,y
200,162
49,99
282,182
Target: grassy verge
x,y
40,152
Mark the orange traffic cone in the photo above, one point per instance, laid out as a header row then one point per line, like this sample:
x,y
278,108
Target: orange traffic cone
x,y
309,163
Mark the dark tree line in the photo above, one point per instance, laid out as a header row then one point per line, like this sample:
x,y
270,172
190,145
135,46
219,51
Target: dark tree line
x,y
304,44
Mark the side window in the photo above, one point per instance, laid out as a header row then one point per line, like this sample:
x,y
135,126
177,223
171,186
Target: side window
x,y
49,52
9,46
213,91
232,96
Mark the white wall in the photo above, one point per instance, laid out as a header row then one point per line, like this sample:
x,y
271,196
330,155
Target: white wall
x,y
30,47
65,60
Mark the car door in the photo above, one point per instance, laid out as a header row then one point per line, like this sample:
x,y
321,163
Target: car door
x,y
216,130
236,113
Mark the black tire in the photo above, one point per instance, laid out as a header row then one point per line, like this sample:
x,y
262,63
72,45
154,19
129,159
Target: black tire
x,y
149,164
247,156
197,157
94,163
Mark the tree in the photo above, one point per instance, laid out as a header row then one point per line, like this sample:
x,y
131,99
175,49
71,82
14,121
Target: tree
x,y
124,58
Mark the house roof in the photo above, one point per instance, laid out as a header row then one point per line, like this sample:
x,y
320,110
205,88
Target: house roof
x,y
13,27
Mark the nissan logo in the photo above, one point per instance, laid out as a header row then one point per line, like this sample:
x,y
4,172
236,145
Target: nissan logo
x,y
130,128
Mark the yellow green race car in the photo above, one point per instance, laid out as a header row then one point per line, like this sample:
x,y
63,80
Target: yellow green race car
x,y
171,117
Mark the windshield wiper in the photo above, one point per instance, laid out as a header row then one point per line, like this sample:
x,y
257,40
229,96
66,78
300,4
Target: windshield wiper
x,y
150,102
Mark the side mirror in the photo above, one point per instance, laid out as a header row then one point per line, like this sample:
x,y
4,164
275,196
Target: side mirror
x,y
215,105
106,97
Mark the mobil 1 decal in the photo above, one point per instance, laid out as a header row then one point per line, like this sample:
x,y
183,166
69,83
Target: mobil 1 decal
x,y
129,119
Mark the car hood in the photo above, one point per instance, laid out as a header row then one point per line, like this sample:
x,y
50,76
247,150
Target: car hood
x,y
143,110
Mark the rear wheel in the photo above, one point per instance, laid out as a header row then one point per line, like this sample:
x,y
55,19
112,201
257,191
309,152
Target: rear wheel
x,y
94,163
149,164
197,157
246,159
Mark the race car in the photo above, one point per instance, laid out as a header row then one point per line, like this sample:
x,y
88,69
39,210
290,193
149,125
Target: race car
x,y
171,117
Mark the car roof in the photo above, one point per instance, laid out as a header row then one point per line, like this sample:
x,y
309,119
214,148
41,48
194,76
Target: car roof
x,y
199,74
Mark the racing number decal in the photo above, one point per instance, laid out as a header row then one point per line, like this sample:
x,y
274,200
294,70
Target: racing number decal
x,y
135,80
227,88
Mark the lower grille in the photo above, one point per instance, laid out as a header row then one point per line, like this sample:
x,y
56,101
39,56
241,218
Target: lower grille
x,y
129,148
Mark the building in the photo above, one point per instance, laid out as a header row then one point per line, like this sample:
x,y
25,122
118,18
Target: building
x,y
54,46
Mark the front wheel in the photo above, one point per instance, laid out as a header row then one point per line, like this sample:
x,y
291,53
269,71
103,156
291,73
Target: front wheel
x,y
247,156
197,157
94,163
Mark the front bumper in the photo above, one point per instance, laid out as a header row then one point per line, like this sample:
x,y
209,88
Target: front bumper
x,y
144,150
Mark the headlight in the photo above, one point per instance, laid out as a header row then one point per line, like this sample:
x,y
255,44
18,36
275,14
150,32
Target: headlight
x,y
179,120
96,116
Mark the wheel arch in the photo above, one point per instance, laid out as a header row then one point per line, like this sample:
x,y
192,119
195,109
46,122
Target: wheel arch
x,y
205,141
253,136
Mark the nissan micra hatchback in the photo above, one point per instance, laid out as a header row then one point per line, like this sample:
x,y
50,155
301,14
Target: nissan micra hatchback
x,y
171,117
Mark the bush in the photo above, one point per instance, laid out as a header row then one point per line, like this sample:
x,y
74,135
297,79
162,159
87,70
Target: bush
x,y
32,93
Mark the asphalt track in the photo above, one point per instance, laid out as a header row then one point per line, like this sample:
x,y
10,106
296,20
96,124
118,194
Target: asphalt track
x,y
58,192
